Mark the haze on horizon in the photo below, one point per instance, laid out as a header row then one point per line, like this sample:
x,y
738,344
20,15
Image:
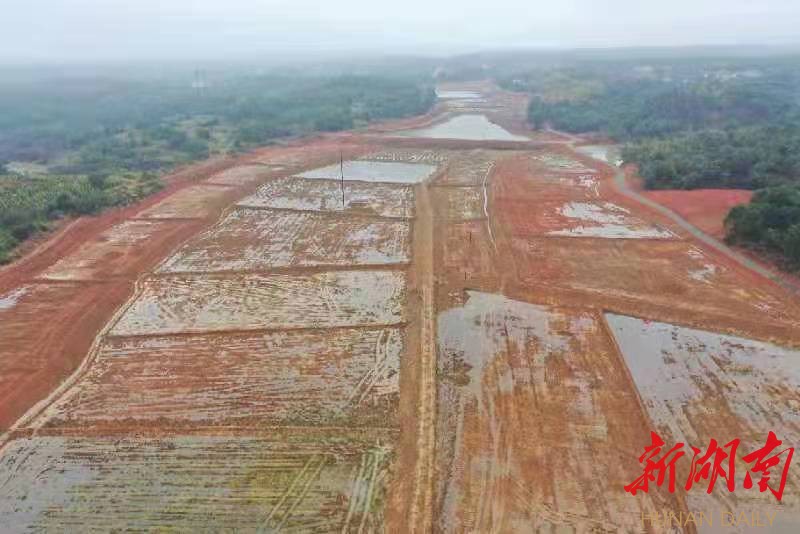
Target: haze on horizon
x,y
110,30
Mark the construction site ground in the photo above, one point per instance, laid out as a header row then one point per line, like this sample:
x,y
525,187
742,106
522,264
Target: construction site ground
x,y
383,331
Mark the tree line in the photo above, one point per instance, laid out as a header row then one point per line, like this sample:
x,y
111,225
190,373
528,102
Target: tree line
x,y
106,141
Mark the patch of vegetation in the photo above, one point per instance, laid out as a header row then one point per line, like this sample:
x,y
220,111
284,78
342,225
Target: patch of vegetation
x,y
29,205
75,145
742,158
771,221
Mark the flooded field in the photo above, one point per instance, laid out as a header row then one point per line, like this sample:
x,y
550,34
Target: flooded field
x,y
605,220
380,200
698,385
440,93
193,484
322,300
346,375
252,239
530,398
374,171
468,127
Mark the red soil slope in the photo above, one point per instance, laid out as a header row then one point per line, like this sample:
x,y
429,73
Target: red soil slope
x,y
704,208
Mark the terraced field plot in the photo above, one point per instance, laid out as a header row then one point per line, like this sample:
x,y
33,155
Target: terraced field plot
x,y
523,181
444,94
193,202
349,376
470,127
584,219
253,239
698,385
240,175
536,431
470,168
663,272
432,157
111,253
374,171
604,153
191,484
380,200
562,163
192,303
463,203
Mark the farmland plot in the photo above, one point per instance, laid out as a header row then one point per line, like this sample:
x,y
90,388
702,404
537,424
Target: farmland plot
x,y
380,200
471,127
470,168
252,239
559,162
373,171
191,484
463,203
698,385
663,272
432,157
530,401
301,377
111,253
192,303
193,202
596,219
243,174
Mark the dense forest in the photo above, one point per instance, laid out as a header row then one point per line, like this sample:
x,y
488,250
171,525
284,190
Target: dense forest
x,y
77,143
687,123
771,221
690,123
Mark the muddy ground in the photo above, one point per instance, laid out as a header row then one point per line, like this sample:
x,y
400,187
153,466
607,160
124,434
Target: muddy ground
x,y
474,333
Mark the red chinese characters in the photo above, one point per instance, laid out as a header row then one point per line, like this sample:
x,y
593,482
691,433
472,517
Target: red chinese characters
x,y
715,463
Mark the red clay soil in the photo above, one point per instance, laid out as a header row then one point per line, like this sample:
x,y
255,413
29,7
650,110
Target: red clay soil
x,y
48,326
704,208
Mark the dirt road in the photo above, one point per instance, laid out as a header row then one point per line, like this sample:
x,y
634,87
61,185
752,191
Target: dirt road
x,y
621,183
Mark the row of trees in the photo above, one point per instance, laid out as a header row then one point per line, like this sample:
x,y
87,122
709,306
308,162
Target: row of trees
x,y
771,221
28,205
745,158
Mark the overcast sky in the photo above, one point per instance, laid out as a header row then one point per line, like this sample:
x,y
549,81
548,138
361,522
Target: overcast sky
x,y
87,30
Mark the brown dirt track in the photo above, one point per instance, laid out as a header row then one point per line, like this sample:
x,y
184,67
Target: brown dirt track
x,y
474,383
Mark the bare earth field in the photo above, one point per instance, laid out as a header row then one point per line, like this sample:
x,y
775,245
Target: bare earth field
x,y
460,327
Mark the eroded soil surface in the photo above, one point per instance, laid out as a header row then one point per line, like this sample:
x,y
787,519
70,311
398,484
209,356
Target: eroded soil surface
x,y
442,324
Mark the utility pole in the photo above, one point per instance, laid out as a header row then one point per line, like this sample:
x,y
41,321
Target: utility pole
x,y
341,173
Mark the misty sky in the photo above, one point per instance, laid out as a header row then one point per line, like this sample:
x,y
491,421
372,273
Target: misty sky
x,y
86,30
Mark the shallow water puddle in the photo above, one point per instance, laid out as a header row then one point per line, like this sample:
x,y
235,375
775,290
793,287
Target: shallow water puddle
x,y
9,300
611,221
373,171
457,94
468,127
